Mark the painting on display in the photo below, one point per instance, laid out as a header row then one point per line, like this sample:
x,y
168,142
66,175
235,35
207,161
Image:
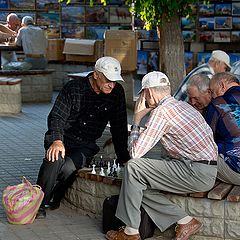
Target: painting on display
x,y
236,8
73,14
222,36
189,36
206,9
3,17
96,32
206,36
48,19
153,61
223,23
234,57
120,15
236,22
47,4
142,62
23,14
223,9
206,23
70,30
187,23
235,36
22,4
96,14
3,4
203,57
53,32
188,60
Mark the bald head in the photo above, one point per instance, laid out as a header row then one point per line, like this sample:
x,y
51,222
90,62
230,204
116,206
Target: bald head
x,y
13,22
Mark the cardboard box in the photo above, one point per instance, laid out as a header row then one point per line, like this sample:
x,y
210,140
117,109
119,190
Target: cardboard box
x,y
98,52
122,45
79,46
55,50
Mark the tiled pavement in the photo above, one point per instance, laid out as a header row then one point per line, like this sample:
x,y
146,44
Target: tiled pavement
x,y
21,148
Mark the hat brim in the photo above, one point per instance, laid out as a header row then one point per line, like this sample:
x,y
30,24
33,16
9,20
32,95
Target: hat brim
x,y
113,77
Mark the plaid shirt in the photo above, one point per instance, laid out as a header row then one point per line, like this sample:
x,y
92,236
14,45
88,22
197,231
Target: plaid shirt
x,y
180,128
223,116
181,93
79,114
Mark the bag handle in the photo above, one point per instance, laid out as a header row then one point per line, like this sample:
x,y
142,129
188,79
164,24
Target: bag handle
x,y
24,179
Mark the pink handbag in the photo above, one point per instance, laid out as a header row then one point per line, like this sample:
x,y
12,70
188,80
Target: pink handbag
x,y
21,202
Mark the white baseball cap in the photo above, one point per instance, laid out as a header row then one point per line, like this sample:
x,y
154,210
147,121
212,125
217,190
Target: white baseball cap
x,y
154,79
27,20
110,67
221,56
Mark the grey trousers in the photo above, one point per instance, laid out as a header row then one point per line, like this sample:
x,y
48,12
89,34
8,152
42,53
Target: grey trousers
x,y
226,174
142,180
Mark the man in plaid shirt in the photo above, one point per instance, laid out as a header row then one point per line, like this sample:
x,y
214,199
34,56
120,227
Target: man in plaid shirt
x,y
192,166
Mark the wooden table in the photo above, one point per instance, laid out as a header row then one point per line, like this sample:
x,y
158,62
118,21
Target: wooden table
x,y
6,47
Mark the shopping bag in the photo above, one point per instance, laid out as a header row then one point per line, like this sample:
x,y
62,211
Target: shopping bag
x,y
21,202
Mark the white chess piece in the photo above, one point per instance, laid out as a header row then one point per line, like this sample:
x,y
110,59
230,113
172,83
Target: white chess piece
x,y
109,168
118,167
93,170
102,172
114,164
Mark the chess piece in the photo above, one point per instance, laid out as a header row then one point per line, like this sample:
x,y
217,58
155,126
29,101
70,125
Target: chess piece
x,y
93,170
111,172
114,163
102,172
118,167
108,168
101,162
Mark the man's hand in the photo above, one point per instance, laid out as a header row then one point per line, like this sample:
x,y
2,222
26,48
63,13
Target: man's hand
x,y
140,109
54,151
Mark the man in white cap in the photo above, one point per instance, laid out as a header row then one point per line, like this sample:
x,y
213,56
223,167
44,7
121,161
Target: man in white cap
x,y
78,118
191,167
218,62
34,42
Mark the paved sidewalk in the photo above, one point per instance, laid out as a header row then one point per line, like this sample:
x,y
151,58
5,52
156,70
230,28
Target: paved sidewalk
x,y
21,155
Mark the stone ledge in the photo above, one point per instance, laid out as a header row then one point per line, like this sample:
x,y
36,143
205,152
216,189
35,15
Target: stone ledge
x,y
26,72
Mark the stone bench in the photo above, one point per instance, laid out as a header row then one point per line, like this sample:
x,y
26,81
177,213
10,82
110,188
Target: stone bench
x,y
218,209
10,95
36,84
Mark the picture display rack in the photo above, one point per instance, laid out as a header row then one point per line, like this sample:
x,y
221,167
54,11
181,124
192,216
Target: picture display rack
x,y
74,20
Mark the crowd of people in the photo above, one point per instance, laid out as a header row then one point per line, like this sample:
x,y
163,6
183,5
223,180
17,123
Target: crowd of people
x,y
25,34
200,133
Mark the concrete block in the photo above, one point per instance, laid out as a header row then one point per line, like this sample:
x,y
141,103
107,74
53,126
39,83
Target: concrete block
x,y
232,211
232,229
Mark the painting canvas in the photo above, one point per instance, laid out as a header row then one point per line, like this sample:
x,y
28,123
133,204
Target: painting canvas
x,y
153,61
96,14
223,23
23,14
223,8
137,85
47,4
235,36
70,30
236,22
188,60
73,14
3,4
206,9
203,57
120,15
189,36
96,32
222,36
53,32
3,17
234,57
187,23
22,4
142,62
206,36
206,23
236,8
48,19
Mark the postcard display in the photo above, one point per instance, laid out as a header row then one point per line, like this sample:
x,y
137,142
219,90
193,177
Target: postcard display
x,y
213,25
74,20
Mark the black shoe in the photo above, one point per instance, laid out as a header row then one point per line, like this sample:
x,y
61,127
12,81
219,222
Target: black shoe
x,y
54,205
41,214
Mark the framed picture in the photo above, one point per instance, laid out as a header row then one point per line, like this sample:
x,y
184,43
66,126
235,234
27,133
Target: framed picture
x,y
137,85
153,61
142,62
47,4
48,19
22,4
206,23
149,45
223,8
120,15
222,36
235,36
223,23
188,60
116,2
23,14
206,9
203,57
236,23
206,36
70,30
96,14
120,27
187,23
234,57
96,32
73,14
3,17
236,8
189,36
3,4
53,32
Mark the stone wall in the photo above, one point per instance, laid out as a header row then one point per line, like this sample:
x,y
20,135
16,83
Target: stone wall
x,y
220,218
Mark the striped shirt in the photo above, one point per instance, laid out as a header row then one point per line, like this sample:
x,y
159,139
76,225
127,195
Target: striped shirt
x,y
180,128
181,93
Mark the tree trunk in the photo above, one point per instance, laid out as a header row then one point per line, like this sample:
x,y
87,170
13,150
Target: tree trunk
x,y
172,50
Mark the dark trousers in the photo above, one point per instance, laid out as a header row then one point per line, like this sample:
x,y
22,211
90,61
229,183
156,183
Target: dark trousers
x,y
56,177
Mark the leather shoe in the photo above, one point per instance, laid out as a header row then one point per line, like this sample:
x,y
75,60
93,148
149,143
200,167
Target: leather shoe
x,y
184,231
121,235
41,214
54,205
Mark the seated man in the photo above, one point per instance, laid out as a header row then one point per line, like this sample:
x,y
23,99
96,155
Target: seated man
x,y
223,116
34,43
78,118
192,167
218,62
